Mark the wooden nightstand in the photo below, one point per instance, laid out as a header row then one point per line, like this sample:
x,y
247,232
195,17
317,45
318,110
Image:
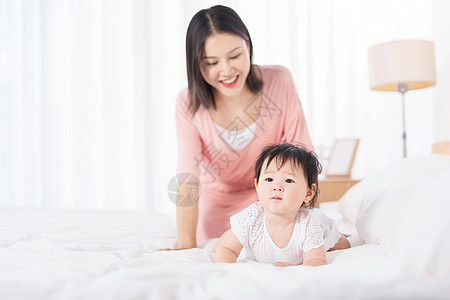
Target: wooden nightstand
x,y
331,189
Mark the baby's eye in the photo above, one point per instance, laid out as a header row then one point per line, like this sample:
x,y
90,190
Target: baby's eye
x,y
268,179
289,181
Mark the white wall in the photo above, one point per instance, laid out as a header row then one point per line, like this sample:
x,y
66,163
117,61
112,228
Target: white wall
x,y
88,89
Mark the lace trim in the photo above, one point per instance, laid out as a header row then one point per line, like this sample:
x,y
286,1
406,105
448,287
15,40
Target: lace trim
x,y
250,225
313,235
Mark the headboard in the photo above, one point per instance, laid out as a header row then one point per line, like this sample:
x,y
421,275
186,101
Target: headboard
x,y
441,148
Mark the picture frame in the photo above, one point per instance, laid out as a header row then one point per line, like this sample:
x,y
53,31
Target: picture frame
x,y
342,157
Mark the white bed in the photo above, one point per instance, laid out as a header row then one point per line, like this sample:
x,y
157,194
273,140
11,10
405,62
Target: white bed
x,y
56,254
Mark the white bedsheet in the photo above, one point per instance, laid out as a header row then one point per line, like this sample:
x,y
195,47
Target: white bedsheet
x,y
114,255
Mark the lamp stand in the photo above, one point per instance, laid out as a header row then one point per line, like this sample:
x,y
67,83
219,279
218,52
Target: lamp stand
x,y
403,88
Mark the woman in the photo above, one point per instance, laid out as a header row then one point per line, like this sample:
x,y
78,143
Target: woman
x,y
229,112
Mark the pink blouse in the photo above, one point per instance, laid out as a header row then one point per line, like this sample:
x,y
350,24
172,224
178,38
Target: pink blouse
x,y
227,176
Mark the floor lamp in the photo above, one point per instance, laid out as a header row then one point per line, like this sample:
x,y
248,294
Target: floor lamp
x,y
400,66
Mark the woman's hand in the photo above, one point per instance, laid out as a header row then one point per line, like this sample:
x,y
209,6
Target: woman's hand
x,y
180,246
282,264
175,249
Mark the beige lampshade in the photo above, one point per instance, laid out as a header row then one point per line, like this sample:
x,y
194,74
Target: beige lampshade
x,y
408,62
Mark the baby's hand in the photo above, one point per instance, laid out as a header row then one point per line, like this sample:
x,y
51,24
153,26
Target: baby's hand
x,y
282,264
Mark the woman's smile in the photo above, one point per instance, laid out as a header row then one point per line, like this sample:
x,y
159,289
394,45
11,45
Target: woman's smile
x,y
230,82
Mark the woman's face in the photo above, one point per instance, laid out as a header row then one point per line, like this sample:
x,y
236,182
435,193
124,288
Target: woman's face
x,y
225,63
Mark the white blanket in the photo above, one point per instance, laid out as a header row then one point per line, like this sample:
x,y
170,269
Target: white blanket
x,y
114,255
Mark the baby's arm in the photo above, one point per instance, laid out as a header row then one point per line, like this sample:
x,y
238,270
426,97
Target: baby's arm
x,y
315,257
229,249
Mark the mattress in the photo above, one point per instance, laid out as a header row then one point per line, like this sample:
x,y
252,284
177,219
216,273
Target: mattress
x,y
66,254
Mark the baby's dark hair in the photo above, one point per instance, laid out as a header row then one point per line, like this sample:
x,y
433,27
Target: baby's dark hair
x,y
299,156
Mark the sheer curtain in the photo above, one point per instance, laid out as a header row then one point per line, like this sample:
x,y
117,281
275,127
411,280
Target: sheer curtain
x,y
88,89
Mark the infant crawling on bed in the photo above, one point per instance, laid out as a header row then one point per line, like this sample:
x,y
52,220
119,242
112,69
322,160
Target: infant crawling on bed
x,y
283,227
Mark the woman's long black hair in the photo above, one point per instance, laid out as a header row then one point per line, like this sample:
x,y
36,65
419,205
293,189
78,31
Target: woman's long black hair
x,y
216,19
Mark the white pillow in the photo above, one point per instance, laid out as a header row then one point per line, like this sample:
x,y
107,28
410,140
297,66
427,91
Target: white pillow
x,y
368,191
405,208
392,190
420,239
348,204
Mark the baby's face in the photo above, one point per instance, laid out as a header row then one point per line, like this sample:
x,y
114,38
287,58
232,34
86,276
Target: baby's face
x,y
282,191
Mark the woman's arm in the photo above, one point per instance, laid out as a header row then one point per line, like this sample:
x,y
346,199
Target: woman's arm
x,y
189,155
229,249
187,215
315,257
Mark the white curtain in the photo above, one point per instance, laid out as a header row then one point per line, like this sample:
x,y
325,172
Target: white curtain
x,y
88,89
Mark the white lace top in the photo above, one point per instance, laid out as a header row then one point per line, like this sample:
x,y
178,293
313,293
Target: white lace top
x,y
249,226
237,139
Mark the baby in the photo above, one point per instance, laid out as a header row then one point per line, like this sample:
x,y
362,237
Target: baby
x,y
282,227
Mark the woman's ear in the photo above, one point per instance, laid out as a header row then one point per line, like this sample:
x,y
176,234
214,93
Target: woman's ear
x,y
310,193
